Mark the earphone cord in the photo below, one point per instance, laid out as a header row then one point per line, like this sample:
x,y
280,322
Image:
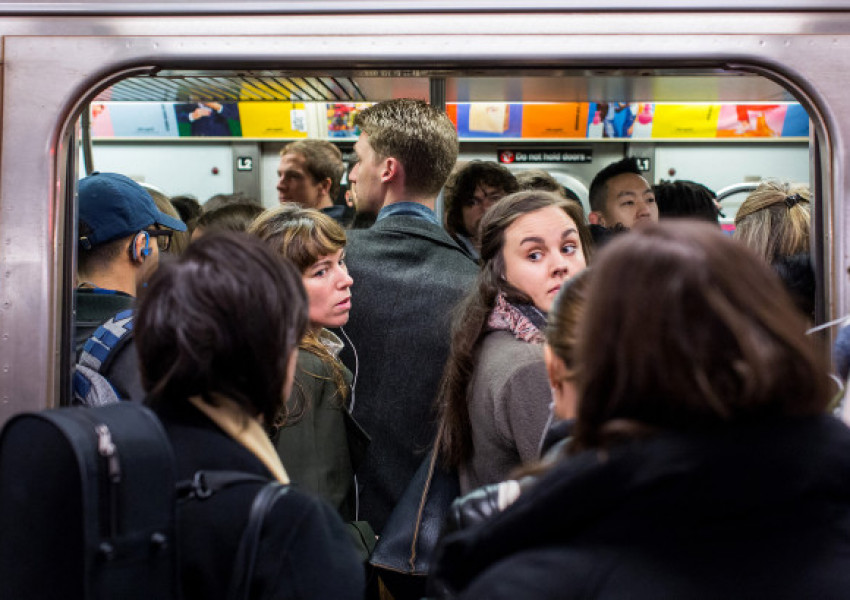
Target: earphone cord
x,y
351,411
356,369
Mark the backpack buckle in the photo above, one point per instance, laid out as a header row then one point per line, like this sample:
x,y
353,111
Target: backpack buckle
x,y
200,487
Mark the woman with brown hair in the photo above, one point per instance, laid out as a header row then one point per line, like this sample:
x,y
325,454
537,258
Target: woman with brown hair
x,y
494,398
316,436
702,464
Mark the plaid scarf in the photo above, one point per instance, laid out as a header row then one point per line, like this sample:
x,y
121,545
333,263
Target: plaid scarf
x,y
525,321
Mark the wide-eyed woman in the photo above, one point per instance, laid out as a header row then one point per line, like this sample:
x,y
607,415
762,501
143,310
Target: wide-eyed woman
x,y
316,437
494,399
702,463
216,334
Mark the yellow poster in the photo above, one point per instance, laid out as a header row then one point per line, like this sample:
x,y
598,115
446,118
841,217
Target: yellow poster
x,y
685,120
273,119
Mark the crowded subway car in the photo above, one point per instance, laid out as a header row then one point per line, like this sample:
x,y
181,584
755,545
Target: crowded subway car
x,y
726,94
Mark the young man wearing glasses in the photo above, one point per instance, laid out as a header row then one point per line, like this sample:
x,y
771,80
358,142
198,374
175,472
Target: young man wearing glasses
x,y
469,192
121,233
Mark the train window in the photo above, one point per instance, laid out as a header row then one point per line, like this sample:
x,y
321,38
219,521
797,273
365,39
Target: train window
x,y
207,132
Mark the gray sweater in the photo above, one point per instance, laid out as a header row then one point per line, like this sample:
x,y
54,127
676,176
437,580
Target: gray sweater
x,y
509,399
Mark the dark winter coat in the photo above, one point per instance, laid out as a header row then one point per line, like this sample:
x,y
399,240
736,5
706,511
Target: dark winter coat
x,y
757,511
408,276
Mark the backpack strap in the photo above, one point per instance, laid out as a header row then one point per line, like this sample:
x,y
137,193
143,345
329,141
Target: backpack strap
x,y
91,388
113,334
206,483
246,555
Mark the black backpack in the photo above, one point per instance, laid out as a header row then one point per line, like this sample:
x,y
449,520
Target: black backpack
x,y
88,501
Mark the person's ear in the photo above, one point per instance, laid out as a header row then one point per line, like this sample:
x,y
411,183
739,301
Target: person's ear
x,y
595,218
391,169
555,369
141,247
325,186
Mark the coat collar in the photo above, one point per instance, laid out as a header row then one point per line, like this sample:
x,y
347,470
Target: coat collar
x,y
417,227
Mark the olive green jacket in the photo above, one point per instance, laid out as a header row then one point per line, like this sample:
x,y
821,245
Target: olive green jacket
x,y
322,449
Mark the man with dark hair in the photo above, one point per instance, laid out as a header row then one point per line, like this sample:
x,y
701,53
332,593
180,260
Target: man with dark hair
x,y
470,191
538,179
121,233
684,198
408,275
621,198
309,174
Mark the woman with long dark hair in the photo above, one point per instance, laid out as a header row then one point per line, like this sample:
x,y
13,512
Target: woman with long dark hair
x,y
702,463
494,399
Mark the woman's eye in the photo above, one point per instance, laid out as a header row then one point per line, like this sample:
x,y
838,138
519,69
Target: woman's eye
x,y
535,255
569,249
320,273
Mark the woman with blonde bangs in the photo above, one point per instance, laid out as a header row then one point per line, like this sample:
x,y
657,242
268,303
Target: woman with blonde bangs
x,y
318,440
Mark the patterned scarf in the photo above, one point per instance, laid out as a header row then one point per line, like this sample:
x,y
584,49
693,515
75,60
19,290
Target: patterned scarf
x,y
525,321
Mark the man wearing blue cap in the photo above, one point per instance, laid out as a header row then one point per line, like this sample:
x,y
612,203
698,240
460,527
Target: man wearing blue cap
x,y
121,233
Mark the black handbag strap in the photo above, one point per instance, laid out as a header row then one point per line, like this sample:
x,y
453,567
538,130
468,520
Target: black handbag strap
x,y
246,555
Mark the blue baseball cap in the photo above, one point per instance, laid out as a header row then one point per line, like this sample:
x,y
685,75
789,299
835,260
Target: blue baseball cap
x,y
114,206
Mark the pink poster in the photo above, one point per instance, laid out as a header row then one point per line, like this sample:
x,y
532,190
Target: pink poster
x,y
101,123
751,120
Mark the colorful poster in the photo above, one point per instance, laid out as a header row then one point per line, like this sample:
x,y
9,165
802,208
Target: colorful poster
x,y
611,119
564,120
341,116
273,119
208,119
685,121
751,120
133,119
488,120
644,120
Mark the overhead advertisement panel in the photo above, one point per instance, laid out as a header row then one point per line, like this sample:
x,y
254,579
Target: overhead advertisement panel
x,y
474,120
